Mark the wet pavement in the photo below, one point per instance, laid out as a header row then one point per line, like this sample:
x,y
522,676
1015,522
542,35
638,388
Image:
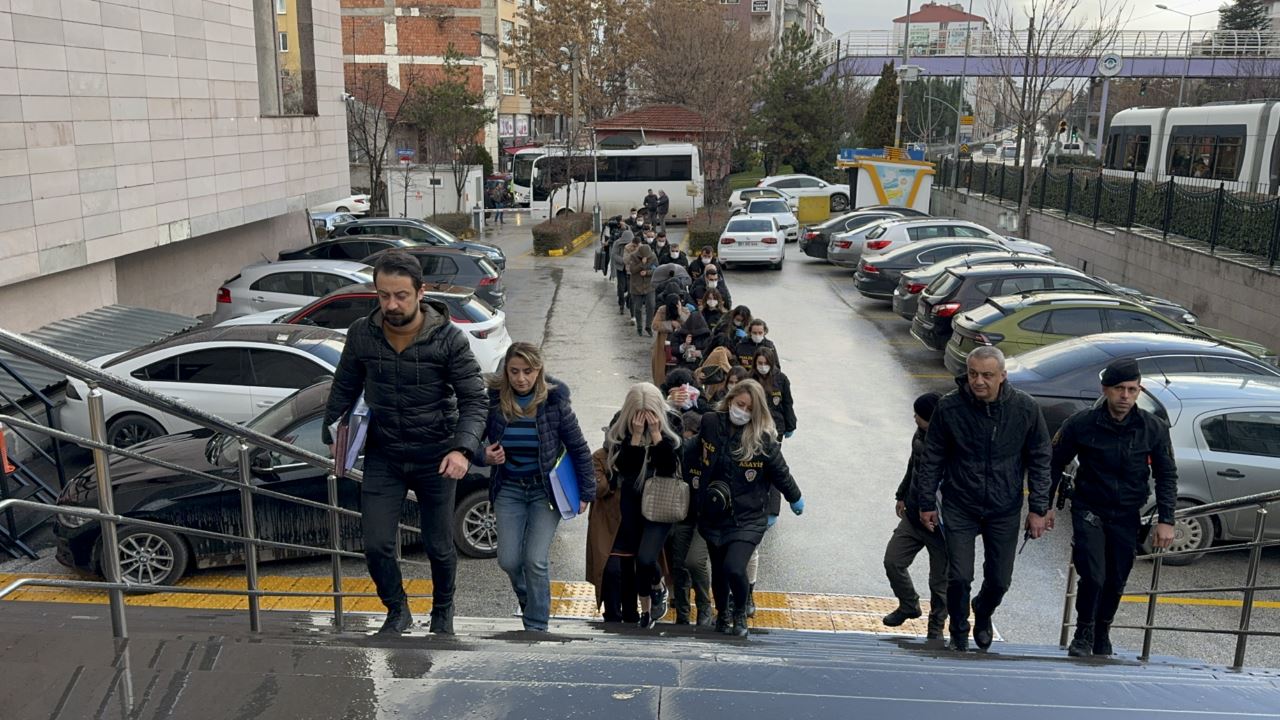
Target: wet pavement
x,y
854,371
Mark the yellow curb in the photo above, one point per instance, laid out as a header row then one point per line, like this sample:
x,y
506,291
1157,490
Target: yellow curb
x,y
577,244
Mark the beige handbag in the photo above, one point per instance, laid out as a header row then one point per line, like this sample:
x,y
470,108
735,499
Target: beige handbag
x,y
663,499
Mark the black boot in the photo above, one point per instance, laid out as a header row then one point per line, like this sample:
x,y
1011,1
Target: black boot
x,y
740,625
1082,644
646,621
751,600
705,617
900,616
442,620
1102,640
959,642
398,620
983,633
724,624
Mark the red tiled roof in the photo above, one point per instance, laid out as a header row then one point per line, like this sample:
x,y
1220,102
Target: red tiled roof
x,y
670,118
935,13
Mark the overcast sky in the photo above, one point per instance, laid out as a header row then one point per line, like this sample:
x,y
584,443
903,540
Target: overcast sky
x,y
846,15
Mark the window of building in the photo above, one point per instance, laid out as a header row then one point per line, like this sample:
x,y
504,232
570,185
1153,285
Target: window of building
x,y
508,30
508,81
524,78
285,40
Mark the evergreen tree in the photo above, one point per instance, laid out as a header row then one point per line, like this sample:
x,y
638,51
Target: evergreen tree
x,y
878,124
1244,15
796,121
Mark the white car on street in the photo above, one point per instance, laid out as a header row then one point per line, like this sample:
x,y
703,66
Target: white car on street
x,y
881,237
739,198
799,186
287,283
484,327
788,225
232,372
752,239
355,204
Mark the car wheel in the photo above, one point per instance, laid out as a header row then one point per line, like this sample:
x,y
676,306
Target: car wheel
x,y
342,209
132,429
777,265
839,202
148,557
475,527
1188,534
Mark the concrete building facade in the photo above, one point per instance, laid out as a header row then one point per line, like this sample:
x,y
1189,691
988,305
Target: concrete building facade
x,y
147,151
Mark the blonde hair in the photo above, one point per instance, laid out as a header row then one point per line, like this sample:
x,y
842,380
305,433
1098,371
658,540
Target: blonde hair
x,y
640,397
501,382
761,428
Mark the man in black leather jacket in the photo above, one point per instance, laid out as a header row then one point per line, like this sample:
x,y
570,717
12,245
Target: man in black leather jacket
x,y
427,408
1120,447
983,439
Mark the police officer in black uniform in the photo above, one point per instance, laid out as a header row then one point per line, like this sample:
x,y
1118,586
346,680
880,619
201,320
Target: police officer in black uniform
x,y
1120,447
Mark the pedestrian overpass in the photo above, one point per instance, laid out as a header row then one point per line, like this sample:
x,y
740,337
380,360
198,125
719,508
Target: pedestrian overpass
x,y
1145,53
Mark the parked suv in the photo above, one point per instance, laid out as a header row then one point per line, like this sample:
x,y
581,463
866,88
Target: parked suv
x,y
1017,323
419,232
913,282
877,277
458,267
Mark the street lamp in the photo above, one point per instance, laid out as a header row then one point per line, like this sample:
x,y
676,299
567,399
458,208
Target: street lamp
x,y
902,82
1186,65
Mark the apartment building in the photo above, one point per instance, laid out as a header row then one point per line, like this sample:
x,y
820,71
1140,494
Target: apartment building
x,y
151,148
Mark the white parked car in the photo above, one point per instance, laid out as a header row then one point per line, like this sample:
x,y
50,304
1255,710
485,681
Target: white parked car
x,y
752,239
739,198
809,186
484,327
788,225
886,235
355,204
232,372
288,283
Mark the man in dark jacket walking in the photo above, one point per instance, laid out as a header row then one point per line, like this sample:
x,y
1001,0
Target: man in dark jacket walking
x,y
662,207
650,207
427,409
984,437
910,537
1120,447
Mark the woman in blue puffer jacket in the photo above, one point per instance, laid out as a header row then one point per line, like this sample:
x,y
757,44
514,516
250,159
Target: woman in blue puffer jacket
x,y
530,426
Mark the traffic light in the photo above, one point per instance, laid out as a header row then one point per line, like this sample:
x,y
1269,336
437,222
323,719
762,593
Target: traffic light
x,y
1062,126
1142,88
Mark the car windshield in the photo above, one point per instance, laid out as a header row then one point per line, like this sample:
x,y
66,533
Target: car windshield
x,y
489,269
363,276
1057,359
441,233
942,285
983,315
271,422
877,231
749,226
329,350
768,206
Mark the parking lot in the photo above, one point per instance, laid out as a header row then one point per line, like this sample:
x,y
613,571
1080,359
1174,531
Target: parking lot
x,y
854,370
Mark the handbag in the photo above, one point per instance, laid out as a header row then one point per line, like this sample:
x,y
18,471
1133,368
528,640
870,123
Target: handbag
x,y
663,499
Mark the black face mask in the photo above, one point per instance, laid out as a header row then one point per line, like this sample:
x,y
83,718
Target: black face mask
x,y
713,377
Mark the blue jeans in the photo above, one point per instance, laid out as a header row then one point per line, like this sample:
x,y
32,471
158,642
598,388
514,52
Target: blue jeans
x,y
526,526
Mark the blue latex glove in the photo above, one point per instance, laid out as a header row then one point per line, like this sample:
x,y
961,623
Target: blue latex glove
x,y
789,433
690,307
739,332
797,507
772,519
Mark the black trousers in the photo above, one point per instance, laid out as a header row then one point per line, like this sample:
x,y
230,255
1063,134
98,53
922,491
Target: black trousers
x,y
618,590
907,541
1102,549
624,287
961,527
386,482
729,573
687,569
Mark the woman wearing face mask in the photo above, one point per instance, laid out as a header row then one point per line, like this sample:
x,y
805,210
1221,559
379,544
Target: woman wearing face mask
x,y
736,461
766,370
642,443
714,375
711,308
530,424
756,338
672,320
674,390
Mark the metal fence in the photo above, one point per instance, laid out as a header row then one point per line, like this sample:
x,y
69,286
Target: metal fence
x,y
1222,219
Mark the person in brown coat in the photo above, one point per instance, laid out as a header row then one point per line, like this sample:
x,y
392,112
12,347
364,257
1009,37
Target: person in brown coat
x,y
714,374
603,520
641,262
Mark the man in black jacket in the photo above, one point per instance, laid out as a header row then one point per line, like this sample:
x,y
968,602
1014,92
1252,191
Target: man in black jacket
x,y
984,437
650,207
427,408
1120,447
662,207
910,537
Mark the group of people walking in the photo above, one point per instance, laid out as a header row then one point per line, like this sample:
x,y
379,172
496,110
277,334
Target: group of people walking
x,y
691,473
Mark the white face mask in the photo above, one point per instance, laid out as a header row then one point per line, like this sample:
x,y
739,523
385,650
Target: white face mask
x,y
764,369
757,339
713,304
738,416
662,243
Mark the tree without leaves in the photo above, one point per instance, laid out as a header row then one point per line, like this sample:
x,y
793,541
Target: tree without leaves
x,y
877,125
1050,47
450,111
795,119
688,55
375,111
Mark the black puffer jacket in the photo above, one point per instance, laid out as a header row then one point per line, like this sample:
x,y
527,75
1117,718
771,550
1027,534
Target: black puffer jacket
x,y
907,492
750,480
423,402
979,452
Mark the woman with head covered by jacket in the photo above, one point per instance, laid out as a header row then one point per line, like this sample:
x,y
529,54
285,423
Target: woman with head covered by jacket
x,y
531,424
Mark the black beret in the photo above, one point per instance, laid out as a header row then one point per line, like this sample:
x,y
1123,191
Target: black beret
x,y
1121,371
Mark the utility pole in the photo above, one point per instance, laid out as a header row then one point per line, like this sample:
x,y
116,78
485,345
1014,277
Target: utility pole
x,y
1023,111
902,85
573,68
964,69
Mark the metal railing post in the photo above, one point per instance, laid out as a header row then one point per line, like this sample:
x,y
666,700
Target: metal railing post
x,y
1251,580
1168,208
250,528
1097,198
1071,186
1066,604
1147,631
1003,171
1133,201
107,504
1217,217
1044,185
335,541
1274,250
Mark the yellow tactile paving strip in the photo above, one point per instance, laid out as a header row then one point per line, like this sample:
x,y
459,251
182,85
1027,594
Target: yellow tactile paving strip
x,y
569,600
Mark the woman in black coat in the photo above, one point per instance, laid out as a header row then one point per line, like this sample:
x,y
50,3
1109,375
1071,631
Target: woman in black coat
x,y
734,464
766,369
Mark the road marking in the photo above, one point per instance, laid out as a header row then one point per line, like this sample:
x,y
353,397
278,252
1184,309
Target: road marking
x,y
1212,602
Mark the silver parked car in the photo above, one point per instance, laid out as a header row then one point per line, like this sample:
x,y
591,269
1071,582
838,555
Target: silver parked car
x,y
1226,441
285,284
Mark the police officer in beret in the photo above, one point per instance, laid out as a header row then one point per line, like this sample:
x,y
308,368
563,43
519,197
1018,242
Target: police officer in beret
x,y
1120,447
